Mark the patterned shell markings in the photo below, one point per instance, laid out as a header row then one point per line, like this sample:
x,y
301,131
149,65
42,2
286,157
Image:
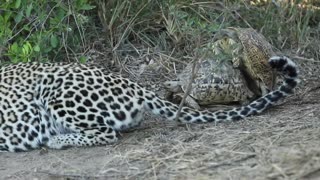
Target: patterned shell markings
x,y
251,57
223,81
216,82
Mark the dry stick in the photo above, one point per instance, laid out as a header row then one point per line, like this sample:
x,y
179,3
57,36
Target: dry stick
x,y
186,93
306,59
72,176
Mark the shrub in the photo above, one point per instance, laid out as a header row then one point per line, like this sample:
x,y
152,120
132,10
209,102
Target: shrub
x,y
41,30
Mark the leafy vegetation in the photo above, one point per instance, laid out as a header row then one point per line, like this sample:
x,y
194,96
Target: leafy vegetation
x,y
41,30
58,30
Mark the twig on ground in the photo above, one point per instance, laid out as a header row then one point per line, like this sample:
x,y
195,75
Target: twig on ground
x,y
71,175
195,68
306,59
186,93
194,71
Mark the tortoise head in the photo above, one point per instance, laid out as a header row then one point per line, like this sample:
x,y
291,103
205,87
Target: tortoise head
x,y
226,41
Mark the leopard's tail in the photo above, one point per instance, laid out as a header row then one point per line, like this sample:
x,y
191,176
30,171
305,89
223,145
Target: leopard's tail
x,y
282,64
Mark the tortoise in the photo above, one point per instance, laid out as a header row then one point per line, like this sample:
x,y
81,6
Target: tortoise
x,y
251,52
216,82
236,72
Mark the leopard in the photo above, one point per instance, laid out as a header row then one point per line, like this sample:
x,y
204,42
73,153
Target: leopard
x,y
61,105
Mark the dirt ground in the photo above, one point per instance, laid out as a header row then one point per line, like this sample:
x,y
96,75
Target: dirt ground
x,y
281,143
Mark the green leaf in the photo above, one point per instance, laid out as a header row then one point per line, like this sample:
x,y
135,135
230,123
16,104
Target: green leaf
x,y
17,4
14,48
19,16
47,49
82,59
54,41
26,48
2,21
60,14
86,7
15,60
36,48
26,27
7,15
28,10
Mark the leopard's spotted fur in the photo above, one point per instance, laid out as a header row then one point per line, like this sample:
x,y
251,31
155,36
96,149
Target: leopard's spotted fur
x,y
59,105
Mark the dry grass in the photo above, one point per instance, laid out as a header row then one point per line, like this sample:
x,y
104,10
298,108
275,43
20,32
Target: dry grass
x,y
173,27
283,143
